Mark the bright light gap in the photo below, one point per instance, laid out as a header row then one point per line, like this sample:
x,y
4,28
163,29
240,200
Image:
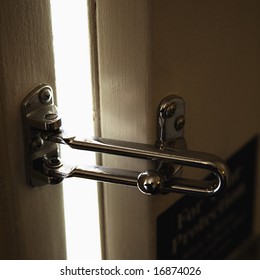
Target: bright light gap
x,y
73,83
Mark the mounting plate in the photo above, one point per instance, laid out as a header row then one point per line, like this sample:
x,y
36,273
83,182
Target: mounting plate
x,y
39,114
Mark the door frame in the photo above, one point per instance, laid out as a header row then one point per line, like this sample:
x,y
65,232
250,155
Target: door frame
x,y
122,72
31,220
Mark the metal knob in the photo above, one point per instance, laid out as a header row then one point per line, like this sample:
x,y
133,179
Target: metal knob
x,y
149,182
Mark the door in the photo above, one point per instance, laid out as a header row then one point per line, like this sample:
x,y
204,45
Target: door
x,y
207,52
31,220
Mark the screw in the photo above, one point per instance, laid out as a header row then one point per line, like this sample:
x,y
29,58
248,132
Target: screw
x,y
54,162
50,117
170,110
179,123
45,95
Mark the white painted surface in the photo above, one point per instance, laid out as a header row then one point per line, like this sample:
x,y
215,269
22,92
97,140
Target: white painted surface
x,y
31,220
124,82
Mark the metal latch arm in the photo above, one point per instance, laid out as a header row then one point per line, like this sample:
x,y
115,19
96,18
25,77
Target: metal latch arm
x,y
194,159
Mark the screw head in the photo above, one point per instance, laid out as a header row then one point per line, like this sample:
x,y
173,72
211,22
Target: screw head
x,y
51,116
170,110
54,162
45,95
179,123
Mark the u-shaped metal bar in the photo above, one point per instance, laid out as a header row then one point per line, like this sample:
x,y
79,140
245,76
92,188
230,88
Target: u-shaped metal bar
x,y
194,159
43,129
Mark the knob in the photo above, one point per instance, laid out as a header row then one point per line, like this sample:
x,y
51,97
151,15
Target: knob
x,y
149,182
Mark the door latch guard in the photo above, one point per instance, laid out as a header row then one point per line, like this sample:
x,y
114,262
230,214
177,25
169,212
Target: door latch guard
x,y
42,128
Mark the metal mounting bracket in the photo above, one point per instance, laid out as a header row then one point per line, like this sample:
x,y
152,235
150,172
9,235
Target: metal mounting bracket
x,y
43,133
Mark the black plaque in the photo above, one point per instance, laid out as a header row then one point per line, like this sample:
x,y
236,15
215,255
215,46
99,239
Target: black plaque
x,y
211,228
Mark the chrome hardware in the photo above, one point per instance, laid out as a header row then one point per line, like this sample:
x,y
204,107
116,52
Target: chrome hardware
x,y
43,132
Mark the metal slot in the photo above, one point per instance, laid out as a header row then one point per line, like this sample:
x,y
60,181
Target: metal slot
x,y
43,132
